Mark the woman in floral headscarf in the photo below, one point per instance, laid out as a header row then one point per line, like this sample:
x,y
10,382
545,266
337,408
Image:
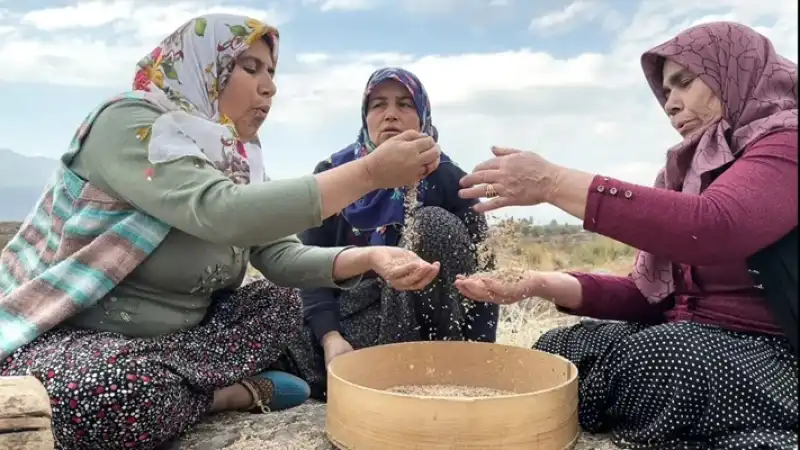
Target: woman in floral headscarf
x,y
121,291
698,350
444,228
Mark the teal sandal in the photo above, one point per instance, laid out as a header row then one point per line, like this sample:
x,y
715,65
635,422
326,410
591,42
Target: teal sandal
x,y
274,390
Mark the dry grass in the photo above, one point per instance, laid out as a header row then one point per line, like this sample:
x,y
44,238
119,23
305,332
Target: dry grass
x,y
7,231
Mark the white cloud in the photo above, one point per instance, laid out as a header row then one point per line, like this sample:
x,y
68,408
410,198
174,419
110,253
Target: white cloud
x,y
345,5
576,11
83,15
139,20
590,111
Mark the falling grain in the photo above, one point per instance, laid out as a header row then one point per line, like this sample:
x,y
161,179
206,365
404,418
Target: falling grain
x,y
410,205
503,241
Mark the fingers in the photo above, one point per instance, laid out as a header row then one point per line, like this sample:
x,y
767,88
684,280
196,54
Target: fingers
x,y
411,278
430,168
421,276
432,273
399,271
422,144
486,176
489,164
429,161
408,135
480,191
492,204
485,290
412,275
471,288
503,151
500,293
430,155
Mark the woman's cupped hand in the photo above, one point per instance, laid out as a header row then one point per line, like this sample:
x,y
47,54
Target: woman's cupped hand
x,y
491,289
402,269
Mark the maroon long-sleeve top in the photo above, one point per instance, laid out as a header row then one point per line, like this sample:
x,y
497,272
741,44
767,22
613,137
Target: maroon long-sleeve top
x,y
708,237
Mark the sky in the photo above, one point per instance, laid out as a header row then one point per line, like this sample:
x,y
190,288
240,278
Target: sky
x,y
558,77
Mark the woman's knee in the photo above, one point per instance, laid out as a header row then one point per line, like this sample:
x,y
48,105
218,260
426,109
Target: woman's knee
x,y
434,221
439,233
669,353
549,340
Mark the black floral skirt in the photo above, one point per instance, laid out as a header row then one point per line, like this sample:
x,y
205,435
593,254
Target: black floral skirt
x,y
108,391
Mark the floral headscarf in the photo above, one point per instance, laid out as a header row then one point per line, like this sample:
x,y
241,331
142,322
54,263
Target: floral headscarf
x,y
379,213
184,76
758,88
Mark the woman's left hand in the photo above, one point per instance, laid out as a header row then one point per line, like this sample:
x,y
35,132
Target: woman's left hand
x,y
402,269
511,178
484,288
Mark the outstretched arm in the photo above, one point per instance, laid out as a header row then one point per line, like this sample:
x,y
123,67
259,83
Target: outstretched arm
x,y
750,206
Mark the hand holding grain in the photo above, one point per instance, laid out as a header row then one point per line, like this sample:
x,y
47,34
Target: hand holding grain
x,y
503,287
402,269
402,160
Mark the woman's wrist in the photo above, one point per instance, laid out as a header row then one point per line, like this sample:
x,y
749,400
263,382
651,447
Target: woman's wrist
x,y
352,262
568,190
560,288
365,174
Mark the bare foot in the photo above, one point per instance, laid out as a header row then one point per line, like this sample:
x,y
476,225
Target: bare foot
x,y
232,398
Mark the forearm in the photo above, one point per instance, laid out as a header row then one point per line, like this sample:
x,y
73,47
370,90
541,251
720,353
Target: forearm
x,y
343,185
561,288
287,262
570,191
321,311
748,207
608,297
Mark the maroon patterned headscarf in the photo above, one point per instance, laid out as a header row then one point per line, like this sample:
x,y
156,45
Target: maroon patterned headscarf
x,y
758,91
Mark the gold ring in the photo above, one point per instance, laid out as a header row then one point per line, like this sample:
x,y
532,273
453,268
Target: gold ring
x,y
490,191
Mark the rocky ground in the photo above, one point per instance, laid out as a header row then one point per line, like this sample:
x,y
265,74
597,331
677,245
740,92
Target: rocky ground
x,y
301,428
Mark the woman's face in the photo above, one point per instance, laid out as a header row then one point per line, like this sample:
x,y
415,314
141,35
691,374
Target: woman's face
x,y
247,97
390,111
691,105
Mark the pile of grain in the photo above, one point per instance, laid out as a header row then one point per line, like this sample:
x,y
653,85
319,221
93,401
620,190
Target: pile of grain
x,y
448,390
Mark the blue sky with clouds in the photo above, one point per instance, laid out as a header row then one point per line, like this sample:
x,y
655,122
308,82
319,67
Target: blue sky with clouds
x,y
557,76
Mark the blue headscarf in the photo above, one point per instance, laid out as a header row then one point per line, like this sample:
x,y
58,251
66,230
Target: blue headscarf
x,y
380,214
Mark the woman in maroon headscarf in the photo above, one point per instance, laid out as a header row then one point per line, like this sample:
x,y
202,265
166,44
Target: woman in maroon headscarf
x,y
695,356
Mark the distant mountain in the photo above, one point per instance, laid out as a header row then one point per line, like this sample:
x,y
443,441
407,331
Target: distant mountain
x,y
22,179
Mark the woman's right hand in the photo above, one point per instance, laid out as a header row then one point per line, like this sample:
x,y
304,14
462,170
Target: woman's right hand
x,y
402,160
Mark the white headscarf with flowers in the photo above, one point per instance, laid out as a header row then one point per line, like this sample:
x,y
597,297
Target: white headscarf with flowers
x,y
183,76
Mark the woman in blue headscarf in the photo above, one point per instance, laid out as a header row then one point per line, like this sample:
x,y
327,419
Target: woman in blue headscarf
x,y
446,230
